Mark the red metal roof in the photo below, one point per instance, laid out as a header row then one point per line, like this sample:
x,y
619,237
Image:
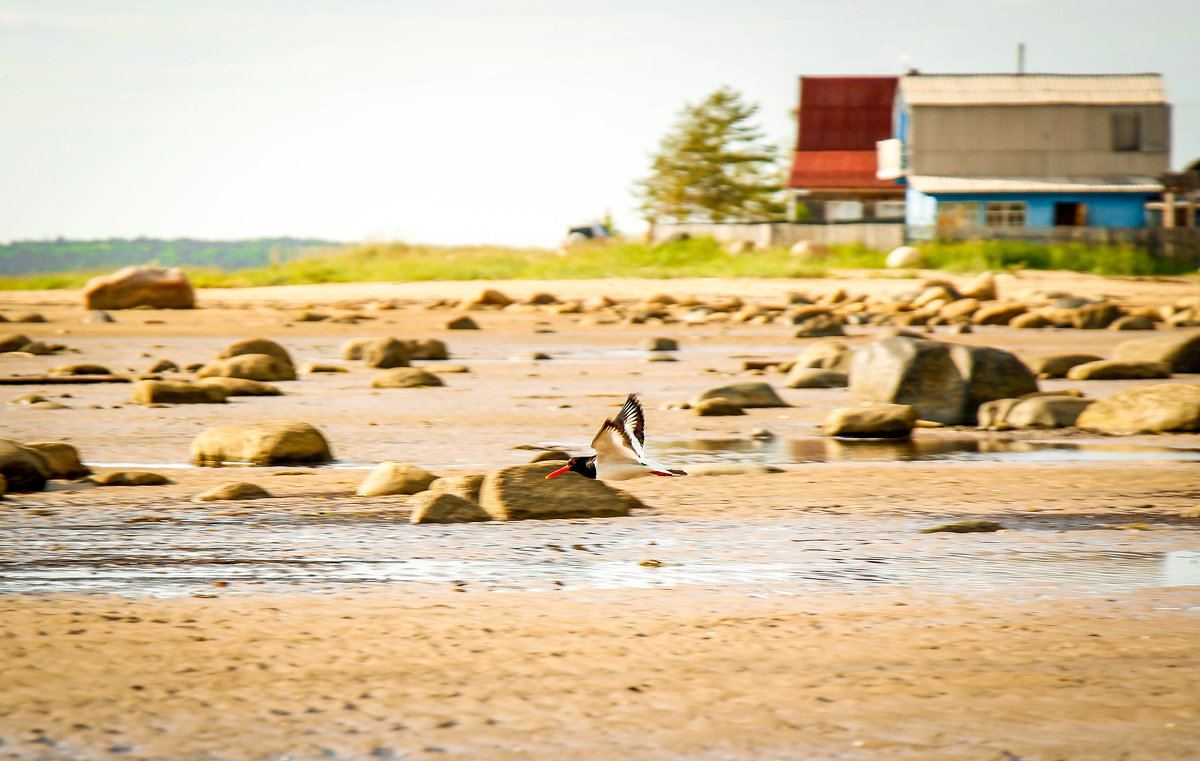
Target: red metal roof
x,y
836,169
844,113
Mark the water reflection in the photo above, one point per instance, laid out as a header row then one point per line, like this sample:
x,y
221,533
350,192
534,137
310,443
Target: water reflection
x,y
784,451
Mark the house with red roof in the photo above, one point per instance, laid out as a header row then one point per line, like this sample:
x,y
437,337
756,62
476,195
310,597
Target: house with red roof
x,y
833,175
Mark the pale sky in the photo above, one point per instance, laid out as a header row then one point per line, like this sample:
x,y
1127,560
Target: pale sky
x,y
461,121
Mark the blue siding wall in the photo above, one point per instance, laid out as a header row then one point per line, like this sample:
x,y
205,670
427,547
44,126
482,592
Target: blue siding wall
x,y
1103,209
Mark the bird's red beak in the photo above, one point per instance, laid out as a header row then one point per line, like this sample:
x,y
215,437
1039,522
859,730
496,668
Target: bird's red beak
x,y
560,471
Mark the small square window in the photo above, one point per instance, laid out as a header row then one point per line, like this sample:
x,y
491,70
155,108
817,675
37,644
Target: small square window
x,y
958,214
1126,131
1006,213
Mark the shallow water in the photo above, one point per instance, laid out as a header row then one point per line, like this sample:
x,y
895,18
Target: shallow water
x,y
791,557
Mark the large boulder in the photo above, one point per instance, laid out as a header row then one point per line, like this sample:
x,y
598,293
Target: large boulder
x,y
1145,409
259,367
1181,351
395,478
275,442
140,287
176,392
744,394
24,469
1119,369
256,346
62,459
521,492
405,377
946,383
1041,411
443,507
885,421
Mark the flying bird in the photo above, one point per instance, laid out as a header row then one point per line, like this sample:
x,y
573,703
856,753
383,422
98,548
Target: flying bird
x,y
620,450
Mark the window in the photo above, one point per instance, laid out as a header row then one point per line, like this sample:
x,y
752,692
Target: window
x,y
1126,131
1006,214
955,214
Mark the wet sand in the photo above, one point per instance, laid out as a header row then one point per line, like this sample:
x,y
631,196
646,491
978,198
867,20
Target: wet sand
x,y
818,658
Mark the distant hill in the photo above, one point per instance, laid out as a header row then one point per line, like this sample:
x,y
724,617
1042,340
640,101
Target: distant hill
x,y
26,256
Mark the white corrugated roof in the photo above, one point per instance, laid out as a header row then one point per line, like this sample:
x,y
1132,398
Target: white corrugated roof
x,y
934,184
983,89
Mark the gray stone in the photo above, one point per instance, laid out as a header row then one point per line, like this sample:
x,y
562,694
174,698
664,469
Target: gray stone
x,y
521,492
176,392
810,377
405,377
1041,411
164,366
904,257
1058,365
132,478
62,459
1180,350
744,394
24,469
819,327
83,368
946,383
829,354
1117,369
717,406
385,353
275,442
964,527
233,490
443,507
660,344
877,421
395,478
13,342
240,386
427,348
353,349
259,367
997,314
256,346
462,323
982,288
1132,322
98,317
1145,409
466,487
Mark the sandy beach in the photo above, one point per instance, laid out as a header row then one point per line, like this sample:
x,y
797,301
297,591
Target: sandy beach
x,y
794,615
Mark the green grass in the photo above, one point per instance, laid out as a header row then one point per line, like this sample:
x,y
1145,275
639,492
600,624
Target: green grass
x,y
977,256
697,257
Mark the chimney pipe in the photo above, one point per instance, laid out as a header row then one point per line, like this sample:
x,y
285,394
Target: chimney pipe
x,y
1020,57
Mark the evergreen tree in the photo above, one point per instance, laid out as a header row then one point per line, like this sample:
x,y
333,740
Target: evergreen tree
x,y
714,166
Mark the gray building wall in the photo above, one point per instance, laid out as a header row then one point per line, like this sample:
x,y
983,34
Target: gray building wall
x,y
1035,140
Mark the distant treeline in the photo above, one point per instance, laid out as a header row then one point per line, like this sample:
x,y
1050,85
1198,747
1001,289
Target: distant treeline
x,y
58,255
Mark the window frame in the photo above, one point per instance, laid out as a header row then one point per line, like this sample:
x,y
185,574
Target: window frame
x,y
1006,213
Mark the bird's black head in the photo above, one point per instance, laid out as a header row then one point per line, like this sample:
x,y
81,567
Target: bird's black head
x,y
584,466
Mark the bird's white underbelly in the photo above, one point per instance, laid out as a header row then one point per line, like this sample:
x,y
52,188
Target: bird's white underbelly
x,y
621,471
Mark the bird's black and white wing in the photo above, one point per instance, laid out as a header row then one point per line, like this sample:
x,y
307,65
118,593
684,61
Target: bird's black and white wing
x,y
632,422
